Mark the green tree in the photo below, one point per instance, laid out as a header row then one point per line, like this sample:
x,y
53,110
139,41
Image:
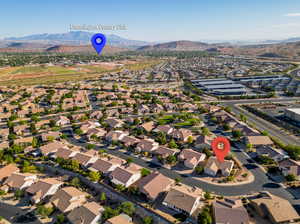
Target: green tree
x,y
34,142
145,172
265,133
94,176
129,160
161,138
171,159
75,182
78,131
228,109
237,134
205,217
207,195
2,192
290,177
243,118
44,211
205,131
190,139
148,220
90,146
50,138
172,144
199,170
35,118
102,197
127,208
115,87
60,218
109,213
226,127
120,187
177,180
18,194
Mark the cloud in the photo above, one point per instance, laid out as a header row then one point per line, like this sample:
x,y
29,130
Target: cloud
x,y
292,14
286,25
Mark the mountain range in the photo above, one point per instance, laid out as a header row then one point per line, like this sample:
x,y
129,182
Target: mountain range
x,y
79,41
77,38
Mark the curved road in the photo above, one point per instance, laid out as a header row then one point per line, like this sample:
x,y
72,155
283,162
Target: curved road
x,y
261,182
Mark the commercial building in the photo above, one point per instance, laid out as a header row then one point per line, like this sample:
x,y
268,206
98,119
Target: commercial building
x,y
220,86
293,114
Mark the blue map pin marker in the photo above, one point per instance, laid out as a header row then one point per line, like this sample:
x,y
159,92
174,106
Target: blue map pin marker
x,y
98,41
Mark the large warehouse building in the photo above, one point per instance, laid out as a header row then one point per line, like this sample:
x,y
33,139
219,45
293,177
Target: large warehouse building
x,y
293,113
220,86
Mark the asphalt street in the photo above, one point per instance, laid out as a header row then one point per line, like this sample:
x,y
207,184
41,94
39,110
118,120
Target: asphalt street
x,y
261,182
265,125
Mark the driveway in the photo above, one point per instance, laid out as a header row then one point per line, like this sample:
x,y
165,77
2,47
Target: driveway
x,y
261,182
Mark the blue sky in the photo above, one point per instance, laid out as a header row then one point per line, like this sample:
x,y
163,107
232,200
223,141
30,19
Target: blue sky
x,y
157,20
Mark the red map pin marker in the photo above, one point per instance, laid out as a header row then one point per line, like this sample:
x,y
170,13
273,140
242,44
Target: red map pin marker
x,y
221,147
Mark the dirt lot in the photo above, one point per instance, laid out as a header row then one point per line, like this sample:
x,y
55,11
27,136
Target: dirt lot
x,y
27,75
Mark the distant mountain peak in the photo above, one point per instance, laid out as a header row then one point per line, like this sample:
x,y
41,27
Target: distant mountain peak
x,y
78,37
185,45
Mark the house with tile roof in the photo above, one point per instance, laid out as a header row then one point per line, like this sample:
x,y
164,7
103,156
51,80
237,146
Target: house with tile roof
x,y
184,199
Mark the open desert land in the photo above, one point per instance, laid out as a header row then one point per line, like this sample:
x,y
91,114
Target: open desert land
x,y
42,74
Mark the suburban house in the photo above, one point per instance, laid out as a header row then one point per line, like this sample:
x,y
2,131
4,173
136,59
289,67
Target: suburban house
x,y
24,140
114,123
270,152
164,152
125,175
68,198
143,109
120,219
275,209
203,141
258,140
62,120
129,141
183,199
167,129
4,145
182,134
289,166
41,124
247,131
43,188
21,129
89,125
89,213
230,211
96,115
213,166
85,159
51,147
146,145
154,184
148,126
191,158
4,132
64,153
115,135
106,165
7,171
19,181
95,132
52,135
